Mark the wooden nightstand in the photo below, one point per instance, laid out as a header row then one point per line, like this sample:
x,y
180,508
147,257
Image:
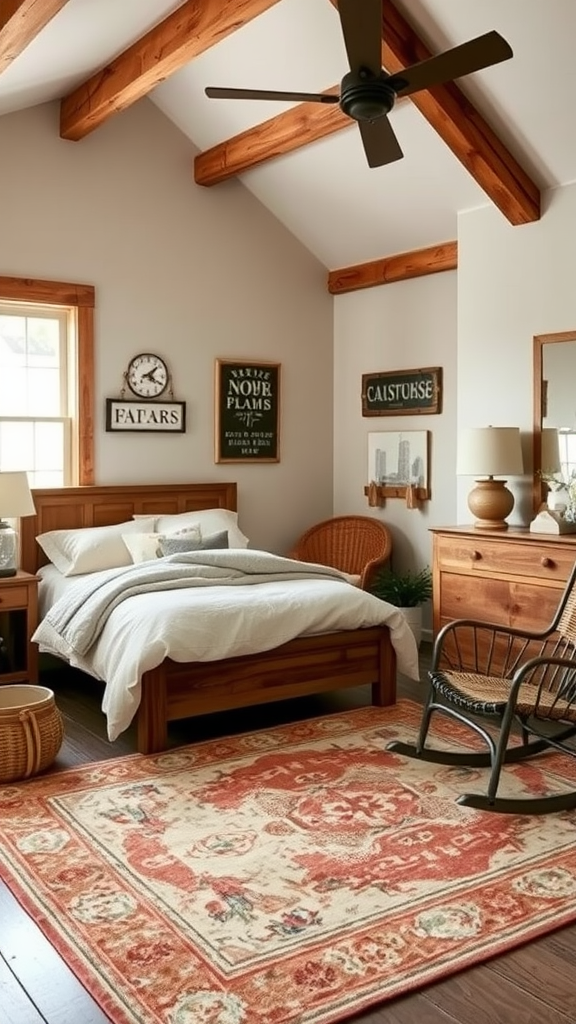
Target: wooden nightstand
x,y
18,620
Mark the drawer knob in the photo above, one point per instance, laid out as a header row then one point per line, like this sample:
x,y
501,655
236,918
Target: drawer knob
x,y
476,556
547,562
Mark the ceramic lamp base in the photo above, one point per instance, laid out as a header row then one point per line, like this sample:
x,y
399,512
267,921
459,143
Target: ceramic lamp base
x,y
490,502
8,550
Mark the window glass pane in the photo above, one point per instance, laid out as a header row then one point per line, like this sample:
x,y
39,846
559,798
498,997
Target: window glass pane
x,y
43,393
45,479
567,443
13,391
12,340
43,341
16,446
34,446
49,447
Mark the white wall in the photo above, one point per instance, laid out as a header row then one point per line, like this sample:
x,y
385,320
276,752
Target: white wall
x,y
478,324
513,283
399,326
187,272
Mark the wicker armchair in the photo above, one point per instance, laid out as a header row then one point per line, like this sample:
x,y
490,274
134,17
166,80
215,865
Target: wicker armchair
x,y
514,678
359,545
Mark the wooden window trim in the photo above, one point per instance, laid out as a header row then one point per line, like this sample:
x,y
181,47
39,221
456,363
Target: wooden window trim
x,y
82,298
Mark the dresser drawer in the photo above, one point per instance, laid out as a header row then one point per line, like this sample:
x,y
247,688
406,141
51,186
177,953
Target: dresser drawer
x,y
13,597
507,602
481,555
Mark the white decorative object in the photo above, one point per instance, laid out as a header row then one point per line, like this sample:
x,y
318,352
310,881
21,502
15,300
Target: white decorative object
x,y
551,522
557,501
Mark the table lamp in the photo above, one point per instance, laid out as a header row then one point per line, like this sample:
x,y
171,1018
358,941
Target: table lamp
x,y
488,452
550,464
15,501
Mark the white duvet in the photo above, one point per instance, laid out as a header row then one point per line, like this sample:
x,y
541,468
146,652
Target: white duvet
x,y
202,606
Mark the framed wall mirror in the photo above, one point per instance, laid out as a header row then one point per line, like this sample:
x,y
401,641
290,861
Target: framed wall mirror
x,y
554,405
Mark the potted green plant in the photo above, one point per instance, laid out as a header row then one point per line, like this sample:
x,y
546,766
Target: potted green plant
x,y
407,591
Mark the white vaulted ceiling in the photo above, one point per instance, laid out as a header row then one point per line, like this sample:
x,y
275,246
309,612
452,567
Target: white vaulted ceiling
x,y
324,192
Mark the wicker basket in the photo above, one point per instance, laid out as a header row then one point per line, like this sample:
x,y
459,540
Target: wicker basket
x,y
31,731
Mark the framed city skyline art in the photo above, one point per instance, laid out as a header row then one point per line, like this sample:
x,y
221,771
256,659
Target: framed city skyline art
x,y
398,461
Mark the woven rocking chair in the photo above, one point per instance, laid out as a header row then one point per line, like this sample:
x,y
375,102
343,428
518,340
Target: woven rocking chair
x,y
358,545
513,678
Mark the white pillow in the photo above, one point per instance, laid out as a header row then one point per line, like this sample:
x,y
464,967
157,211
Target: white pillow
x,y
91,549
145,546
210,520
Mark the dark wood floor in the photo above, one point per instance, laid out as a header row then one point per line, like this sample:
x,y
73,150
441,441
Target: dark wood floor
x,y
533,985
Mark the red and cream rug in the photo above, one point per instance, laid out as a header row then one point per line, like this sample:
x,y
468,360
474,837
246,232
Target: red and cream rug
x,y
295,875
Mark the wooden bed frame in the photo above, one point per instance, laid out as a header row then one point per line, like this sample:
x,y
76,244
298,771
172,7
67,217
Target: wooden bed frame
x,y
176,690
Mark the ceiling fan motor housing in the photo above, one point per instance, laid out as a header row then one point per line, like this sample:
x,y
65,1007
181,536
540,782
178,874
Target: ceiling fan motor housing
x,y
366,97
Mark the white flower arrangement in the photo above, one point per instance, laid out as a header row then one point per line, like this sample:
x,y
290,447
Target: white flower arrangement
x,y
555,481
562,498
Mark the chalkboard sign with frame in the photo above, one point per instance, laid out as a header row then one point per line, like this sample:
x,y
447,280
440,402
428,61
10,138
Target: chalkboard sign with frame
x,y
247,411
402,392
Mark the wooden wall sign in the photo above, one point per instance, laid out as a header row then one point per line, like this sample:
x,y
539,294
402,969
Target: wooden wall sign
x,y
247,425
402,392
128,415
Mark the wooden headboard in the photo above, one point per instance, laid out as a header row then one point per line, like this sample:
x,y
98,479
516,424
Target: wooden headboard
x,y
71,508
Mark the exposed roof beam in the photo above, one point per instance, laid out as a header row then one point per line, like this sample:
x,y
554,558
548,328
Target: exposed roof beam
x,y
297,127
463,129
293,129
400,267
20,23
187,32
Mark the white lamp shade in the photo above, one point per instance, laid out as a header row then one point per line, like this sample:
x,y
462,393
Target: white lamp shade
x,y
489,451
15,497
550,451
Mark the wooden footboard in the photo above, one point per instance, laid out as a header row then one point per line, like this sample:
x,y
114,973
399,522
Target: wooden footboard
x,y
304,666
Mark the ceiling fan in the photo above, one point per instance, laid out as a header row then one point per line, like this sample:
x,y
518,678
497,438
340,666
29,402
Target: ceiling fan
x,y
367,92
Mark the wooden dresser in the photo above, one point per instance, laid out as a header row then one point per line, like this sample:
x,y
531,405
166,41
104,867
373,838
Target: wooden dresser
x,y
512,577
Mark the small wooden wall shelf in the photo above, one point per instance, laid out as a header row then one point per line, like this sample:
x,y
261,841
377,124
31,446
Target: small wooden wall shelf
x,y
413,496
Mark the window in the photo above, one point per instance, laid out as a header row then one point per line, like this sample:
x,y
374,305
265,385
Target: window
x,y
46,381
567,444
37,405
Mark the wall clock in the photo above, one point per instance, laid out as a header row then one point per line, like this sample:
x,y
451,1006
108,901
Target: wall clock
x,y
152,408
147,375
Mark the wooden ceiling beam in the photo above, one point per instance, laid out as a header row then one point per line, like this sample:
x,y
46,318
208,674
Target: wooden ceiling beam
x,y
460,125
187,32
297,127
400,267
291,130
20,23
464,130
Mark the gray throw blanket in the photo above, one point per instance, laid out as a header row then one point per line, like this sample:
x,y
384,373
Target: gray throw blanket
x,y
81,614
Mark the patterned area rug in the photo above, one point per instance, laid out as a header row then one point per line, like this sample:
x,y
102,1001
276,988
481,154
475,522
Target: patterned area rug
x,y
288,876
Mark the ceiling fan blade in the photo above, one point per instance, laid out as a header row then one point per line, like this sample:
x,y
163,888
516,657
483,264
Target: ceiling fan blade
x,y
478,53
361,22
380,143
269,94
